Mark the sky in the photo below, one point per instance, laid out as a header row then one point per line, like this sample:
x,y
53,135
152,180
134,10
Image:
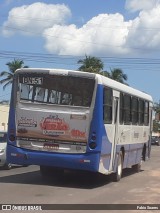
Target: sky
x,y
124,34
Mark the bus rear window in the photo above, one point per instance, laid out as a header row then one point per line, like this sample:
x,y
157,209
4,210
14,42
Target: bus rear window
x,y
54,89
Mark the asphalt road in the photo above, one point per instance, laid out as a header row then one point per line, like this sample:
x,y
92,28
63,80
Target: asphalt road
x,y
24,185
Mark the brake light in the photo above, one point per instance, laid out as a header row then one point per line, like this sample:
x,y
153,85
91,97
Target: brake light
x,y
12,138
11,135
92,143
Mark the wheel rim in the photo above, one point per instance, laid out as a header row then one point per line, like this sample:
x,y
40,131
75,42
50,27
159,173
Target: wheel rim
x,y
9,166
119,167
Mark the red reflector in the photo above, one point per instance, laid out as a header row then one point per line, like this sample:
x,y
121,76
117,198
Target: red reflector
x,y
84,161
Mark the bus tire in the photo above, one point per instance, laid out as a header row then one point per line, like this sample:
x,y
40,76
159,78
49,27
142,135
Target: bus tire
x,y
118,174
7,166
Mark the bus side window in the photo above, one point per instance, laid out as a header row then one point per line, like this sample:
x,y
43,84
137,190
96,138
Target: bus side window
x,y
146,113
121,118
127,109
141,112
107,105
134,110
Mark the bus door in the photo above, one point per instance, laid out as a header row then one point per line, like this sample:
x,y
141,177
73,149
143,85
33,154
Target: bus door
x,y
115,108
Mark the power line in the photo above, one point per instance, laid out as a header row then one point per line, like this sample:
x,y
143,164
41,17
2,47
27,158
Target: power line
x,y
53,56
70,60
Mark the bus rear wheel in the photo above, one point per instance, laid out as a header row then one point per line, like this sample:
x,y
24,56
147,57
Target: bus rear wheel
x,y
7,166
137,167
118,174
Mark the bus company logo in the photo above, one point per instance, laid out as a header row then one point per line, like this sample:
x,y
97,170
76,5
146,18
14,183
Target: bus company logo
x,y
53,125
75,133
27,122
53,132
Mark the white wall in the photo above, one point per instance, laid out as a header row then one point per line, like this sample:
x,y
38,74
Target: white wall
x,y
4,111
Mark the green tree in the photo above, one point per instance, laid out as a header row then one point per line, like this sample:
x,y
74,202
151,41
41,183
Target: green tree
x,y
156,121
95,65
118,75
156,107
91,64
8,75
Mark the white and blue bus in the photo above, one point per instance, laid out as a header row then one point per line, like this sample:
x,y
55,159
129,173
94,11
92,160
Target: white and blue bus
x,y
65,119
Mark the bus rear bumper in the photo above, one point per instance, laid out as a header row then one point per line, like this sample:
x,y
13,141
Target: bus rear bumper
x,y
86,161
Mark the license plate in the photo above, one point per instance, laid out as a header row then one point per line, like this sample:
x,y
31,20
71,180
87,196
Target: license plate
x,y
51,146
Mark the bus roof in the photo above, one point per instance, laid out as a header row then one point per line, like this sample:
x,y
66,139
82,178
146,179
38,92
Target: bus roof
x,y
101,80
56,72
123,88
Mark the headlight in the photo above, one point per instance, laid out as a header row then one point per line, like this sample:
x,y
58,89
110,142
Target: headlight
x,y
1,151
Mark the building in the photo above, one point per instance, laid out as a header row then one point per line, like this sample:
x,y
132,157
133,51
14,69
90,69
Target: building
x,y
4,112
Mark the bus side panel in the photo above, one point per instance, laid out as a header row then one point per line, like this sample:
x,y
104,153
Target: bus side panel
x,y
11,123
96,123
148,150
105,157
135,153
104,146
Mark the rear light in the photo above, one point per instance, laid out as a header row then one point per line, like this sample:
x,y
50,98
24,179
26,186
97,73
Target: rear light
x,y
93,138
11,135
12,138
92,143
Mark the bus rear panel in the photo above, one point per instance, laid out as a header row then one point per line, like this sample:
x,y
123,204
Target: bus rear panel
x,y
50,121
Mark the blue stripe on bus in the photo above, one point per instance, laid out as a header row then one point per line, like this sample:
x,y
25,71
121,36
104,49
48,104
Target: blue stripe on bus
x,y
12,118
87,161
104,146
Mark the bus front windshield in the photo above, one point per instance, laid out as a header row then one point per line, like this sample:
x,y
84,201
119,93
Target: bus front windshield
x,y
55,89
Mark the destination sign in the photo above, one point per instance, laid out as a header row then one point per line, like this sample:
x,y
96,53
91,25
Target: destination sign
x,y
33,80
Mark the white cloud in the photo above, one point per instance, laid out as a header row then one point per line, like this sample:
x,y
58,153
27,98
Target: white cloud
x,y
137,5
105,34
35,18
145,31
102,34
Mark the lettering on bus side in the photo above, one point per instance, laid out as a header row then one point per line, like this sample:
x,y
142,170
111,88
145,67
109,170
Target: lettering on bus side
x,y
136,135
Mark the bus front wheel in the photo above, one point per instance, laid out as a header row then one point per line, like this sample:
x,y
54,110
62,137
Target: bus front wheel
x,y
118,174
